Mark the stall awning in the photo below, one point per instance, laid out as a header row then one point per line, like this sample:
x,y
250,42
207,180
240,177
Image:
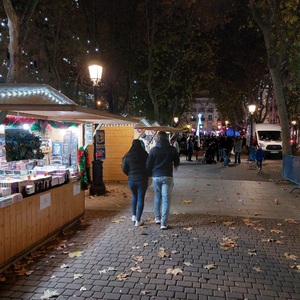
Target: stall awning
x,y
44,102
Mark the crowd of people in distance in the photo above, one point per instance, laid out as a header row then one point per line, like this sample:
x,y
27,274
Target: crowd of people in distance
x,y
215,148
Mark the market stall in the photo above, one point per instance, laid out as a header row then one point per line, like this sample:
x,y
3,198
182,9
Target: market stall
x,y
40,190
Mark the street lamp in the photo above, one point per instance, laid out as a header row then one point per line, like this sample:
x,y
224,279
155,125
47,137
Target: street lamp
x,y
251,109
226,124
96,75
98,186
176,120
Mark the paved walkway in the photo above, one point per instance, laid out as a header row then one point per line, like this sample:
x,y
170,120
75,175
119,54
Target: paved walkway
x,y
234,235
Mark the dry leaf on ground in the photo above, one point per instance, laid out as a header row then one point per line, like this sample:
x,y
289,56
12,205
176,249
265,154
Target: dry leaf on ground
x,y
75,254
187,201
175,271
290,256
162,253
77,276
50,294
107,270
122,276
136,269
138,258
210,267
276,231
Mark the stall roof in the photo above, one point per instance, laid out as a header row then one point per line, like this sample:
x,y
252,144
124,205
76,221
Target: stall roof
x,y
158,128
44,102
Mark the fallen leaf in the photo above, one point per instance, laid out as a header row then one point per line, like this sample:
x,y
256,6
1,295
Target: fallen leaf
x,y
77,276
291,221
117,221
252,252
259,228
290,256
187,201
188,228
122,276
137,269
50,294
138,258
228,244
64,266
107,270
276,231
135,247
228,223
297,267
83,288
175,271
146,244
210,267
257,269
175,235
22,272
162,253
188,264
154,241
145,292
174,251
75,254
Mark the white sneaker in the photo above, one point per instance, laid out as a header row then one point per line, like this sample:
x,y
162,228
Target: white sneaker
x,y
157,220
163,227
138,223
133,218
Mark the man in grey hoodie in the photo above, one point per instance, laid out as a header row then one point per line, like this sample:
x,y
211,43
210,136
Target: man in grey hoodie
x,y
160,163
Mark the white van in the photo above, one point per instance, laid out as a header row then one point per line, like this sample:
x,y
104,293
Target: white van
x,y
268,136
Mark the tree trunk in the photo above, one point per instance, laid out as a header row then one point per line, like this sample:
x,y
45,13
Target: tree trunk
x,y
14,45
282,111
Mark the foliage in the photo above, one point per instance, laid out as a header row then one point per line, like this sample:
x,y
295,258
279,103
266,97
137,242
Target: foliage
x,y
20,144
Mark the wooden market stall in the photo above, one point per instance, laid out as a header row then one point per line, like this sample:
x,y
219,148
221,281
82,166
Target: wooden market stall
x,y
27,221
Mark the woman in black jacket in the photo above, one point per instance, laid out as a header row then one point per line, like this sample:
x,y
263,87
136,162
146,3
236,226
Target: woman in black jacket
x,y
134,166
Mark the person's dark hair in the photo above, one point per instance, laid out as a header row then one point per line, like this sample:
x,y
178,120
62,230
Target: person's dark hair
x,y
136,145
162,136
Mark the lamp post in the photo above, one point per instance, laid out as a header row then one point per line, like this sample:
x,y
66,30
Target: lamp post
x,y
226,124
98,186
251,109
175,120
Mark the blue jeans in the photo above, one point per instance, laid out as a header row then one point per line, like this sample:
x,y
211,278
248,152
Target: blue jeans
x,y
138,190
226,157
162,197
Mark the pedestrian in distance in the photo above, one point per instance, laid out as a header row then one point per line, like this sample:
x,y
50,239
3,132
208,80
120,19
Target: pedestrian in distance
x,y
134,166
237,145
260,156
160,163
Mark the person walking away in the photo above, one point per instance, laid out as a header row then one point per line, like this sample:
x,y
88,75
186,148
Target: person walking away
x,y
260,156
237,145
134,166
190,148
160,163
197,147
226,150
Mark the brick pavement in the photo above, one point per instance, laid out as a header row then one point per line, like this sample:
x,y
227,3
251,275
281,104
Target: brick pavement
x,y
189,261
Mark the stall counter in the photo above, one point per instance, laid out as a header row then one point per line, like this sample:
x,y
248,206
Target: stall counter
x,y
28,223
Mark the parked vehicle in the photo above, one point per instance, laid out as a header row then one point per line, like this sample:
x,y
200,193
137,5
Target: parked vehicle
x,y
268,136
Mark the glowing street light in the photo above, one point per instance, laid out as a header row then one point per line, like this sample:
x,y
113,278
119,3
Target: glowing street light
x,y
251,109
96,75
